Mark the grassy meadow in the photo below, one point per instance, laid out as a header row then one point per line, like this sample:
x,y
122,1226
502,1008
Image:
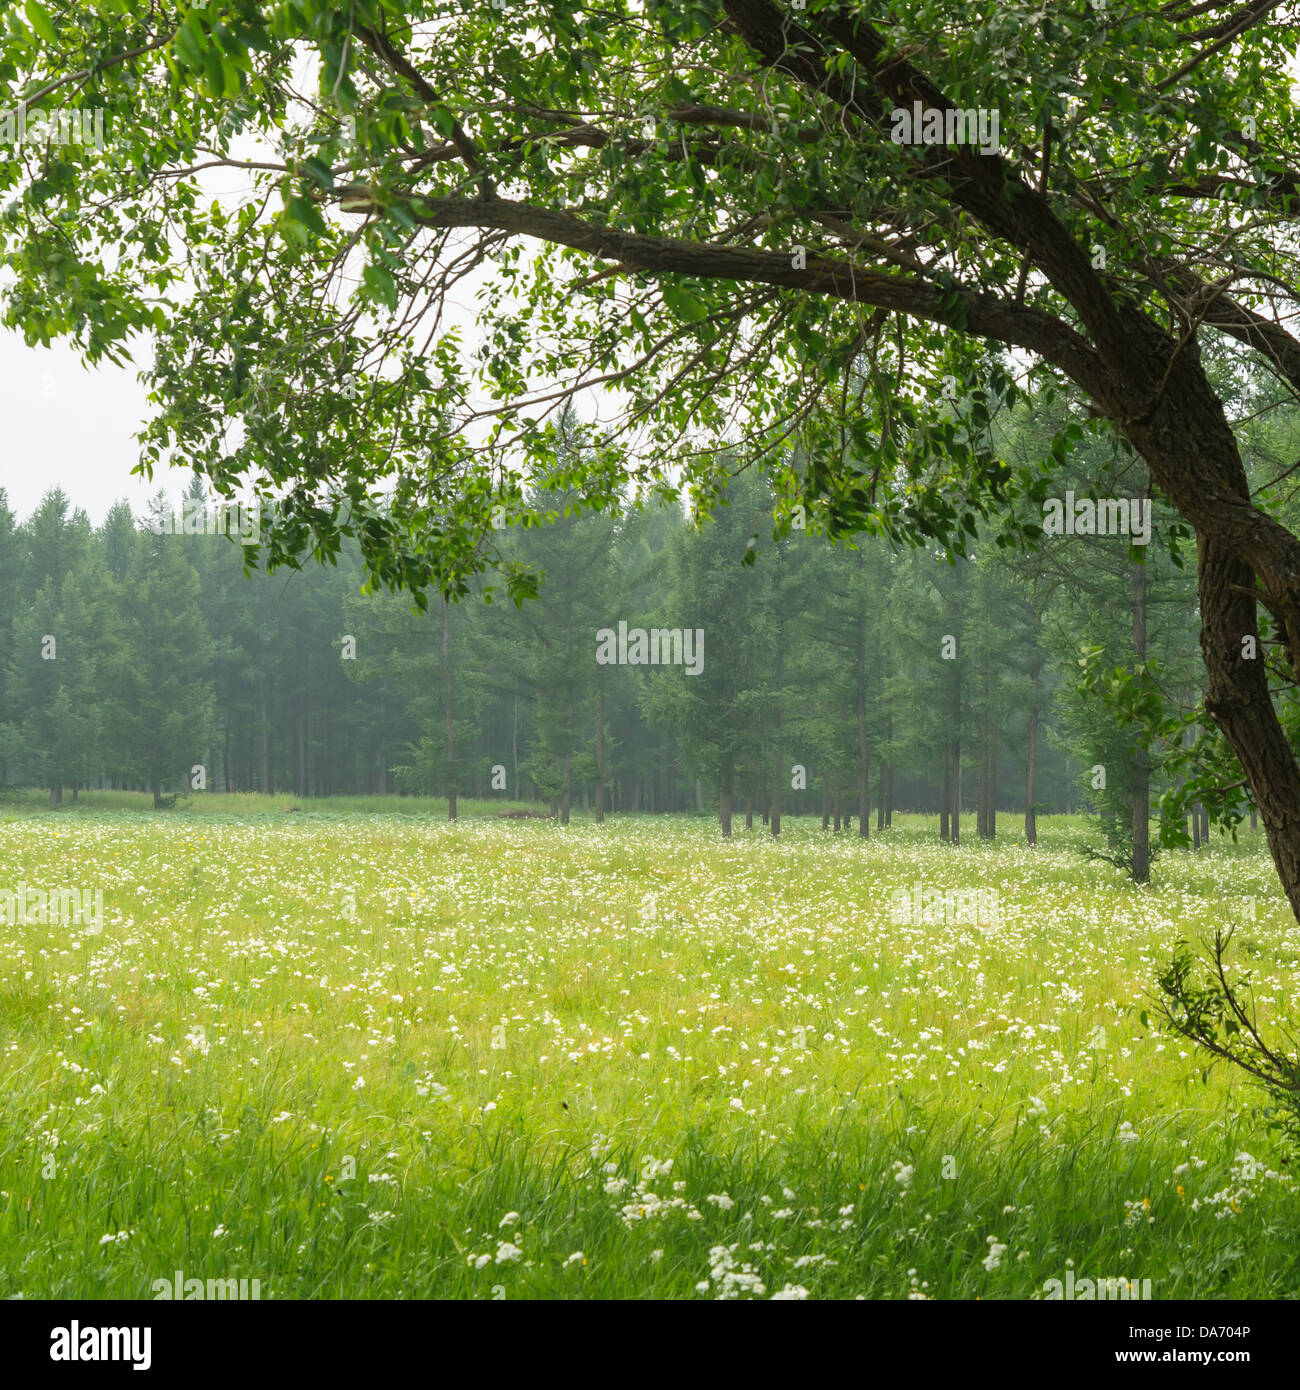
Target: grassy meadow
x,y
356,1051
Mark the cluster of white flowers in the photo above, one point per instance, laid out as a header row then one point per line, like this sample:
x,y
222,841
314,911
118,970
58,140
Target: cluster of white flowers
x,y
731,1279
903,1173
1127,1134
1246,1172
506,1253
1134,1212
993,1260
917,1286
646,1204
428,1087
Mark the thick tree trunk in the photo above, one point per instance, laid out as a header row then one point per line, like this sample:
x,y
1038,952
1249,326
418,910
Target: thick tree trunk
x,y
945,803
1166,405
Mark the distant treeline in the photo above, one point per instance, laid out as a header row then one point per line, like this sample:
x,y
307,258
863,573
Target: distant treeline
x,y
842,681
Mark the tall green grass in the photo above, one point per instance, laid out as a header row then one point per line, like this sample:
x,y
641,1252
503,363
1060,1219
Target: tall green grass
x,y
542,1018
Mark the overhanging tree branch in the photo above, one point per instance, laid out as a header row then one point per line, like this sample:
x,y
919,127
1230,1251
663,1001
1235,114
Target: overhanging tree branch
x,y
983,315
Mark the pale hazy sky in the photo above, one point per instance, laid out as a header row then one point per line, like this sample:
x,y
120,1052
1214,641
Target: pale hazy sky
x,y
72,428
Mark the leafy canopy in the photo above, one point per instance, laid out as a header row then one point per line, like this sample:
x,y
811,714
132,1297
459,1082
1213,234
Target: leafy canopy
x,y
696,208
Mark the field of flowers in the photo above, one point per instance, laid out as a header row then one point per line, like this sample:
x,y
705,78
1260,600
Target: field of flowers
x,y
371,1055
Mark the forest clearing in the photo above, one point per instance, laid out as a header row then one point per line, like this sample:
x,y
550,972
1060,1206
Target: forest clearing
x,y
381,1055
649,652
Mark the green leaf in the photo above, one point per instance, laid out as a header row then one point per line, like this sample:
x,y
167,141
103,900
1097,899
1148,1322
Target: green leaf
x,y
213,73
307,214
190,42
233,79
320,171
444,122
39,18
684,304
380,285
